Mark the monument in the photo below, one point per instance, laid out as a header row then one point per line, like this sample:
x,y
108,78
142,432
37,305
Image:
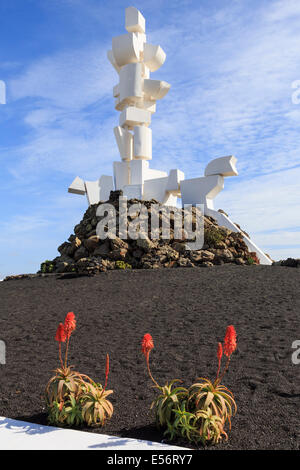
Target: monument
x,y
135,95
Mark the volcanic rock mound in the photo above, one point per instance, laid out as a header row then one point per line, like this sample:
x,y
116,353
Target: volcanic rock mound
x,y
86,253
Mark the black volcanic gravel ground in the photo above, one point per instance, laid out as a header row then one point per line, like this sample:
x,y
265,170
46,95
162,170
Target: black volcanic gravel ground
x,y
186,310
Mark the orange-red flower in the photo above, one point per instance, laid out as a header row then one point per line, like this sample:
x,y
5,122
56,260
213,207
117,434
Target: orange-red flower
x,y
147,345
70,323
229,341
60,333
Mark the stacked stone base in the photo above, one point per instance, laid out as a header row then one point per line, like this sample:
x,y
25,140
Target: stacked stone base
x,y
85,253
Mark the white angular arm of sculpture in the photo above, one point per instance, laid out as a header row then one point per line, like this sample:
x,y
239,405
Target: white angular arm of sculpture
x,y
201,190
156,89
154,56
77,186
224,166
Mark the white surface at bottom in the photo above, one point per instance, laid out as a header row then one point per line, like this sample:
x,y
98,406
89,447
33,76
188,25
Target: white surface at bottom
x,y
21,435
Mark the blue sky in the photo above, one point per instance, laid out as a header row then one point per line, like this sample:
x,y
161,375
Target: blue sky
x,y
231,64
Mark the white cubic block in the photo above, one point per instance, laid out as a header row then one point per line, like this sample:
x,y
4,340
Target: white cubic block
x,y
125,49
134,20
106,186
131,90
124,140
155,189
201,190
154,56
155,89
224,166
92,191
121,174
138,171
77,186
132,116
142,142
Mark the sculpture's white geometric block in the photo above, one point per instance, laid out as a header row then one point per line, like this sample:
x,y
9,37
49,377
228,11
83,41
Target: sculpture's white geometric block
x,y
134,20
154,56
138,171
201,190
92,189
132,116
131,84
77,186
155,189
121,174
156,89
106,186
154,174
224,166
124,140
133,191
112,60
174,179
126,49
142,142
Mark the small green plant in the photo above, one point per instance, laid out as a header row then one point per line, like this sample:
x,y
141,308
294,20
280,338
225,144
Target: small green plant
x,y
167,402
123,265
73,398
213,236
253,258
47,267
201,412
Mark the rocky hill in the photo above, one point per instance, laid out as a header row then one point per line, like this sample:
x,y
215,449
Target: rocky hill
x,y
86,253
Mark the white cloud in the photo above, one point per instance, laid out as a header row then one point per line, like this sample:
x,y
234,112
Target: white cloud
x,y
70,79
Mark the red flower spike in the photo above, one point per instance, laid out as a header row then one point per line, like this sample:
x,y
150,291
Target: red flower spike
x,y
219,356
220,352
147,345
229,341
106,371
60,334
70,324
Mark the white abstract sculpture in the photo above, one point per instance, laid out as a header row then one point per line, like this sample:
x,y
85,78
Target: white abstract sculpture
x,y
135,97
